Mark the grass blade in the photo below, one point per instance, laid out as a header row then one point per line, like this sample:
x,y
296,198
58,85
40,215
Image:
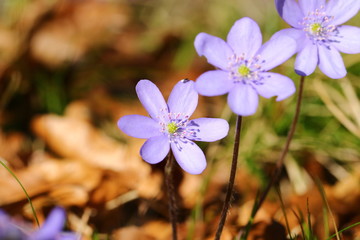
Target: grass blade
x,y
27,195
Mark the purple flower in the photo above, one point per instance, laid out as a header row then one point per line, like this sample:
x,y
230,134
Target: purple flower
x,y
242,64
50,230
8,228
318,34
169,126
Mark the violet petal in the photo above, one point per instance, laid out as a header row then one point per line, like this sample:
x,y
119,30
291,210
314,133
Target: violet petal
x,y
213,83
155,149
276,51
296,34
308,6
331,63
245,37
139,126
216,50
52,226
243,99
151,98
183,98
342,10
275,84
208,129
307,59
189,156
349,40
290,11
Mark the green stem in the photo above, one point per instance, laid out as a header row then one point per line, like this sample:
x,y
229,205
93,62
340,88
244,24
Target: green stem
x,y
27,195
230,187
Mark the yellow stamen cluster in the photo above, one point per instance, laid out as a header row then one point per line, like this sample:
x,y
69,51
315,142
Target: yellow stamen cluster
x,y
244,70
315,28
172,127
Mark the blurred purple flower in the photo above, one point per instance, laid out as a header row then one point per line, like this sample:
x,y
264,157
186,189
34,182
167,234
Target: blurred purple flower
x,y
318,34
243,64
169,126
52,227
9,229
50,230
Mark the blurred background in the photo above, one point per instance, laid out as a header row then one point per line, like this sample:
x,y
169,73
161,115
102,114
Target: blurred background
x,y
68,70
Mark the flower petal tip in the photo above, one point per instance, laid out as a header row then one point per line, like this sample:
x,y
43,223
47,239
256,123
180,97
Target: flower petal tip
x,y
298,72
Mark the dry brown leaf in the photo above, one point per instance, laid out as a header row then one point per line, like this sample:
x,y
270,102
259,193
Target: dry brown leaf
x,y
112,185
54,45
10,146
46,176
9,46
74,138
31,13
130,233
189,189
151,187
267,231
154,230
345,195
79,27
265,213
310,203
158,230
227,234
78,110
70,195
14,37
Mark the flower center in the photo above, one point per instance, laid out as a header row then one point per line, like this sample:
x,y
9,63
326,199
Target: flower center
x,y
318,28
172,127
315,28
173,124
178,128
244,70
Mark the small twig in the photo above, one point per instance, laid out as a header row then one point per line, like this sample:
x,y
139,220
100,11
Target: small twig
x,y
230,187
169,180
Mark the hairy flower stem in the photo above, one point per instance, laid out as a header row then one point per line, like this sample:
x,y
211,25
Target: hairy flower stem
x,y
280,163
231,179
169,181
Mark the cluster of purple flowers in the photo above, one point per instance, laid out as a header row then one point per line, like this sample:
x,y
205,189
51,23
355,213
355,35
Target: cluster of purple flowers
x,y
243,65
50,230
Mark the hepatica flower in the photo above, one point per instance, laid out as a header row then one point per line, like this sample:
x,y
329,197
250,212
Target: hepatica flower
x,y
320,37
50,230
243,64
169,126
